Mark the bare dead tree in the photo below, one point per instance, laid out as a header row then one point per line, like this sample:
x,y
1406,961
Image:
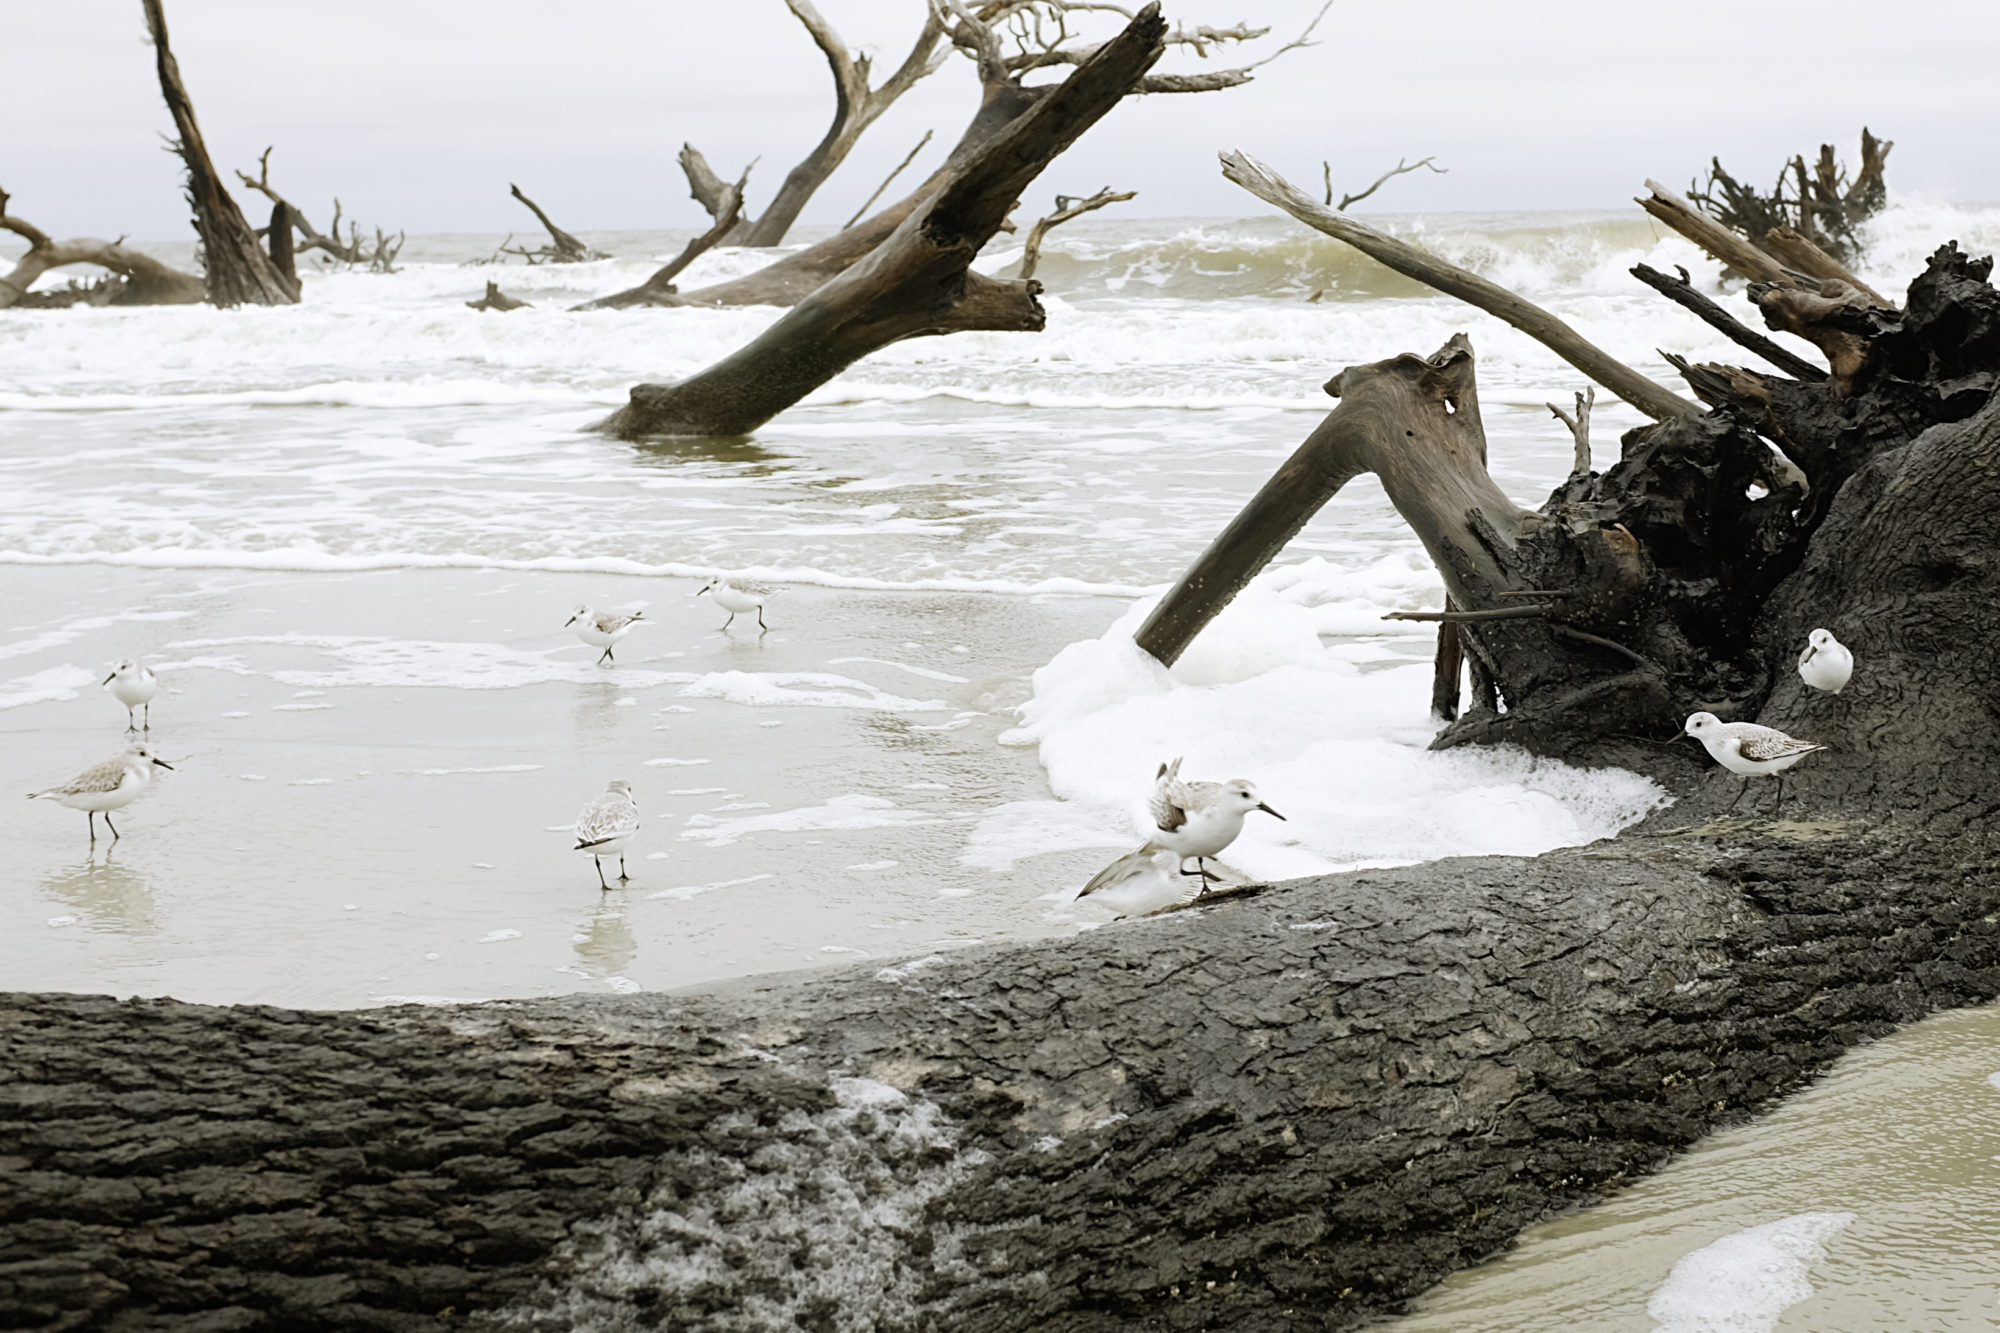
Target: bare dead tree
x,y
659,289
1821,205
1682,293
562,248
1067,207
712,192
237,270
141,279
1756,260
1578,423
919,281
495,299
888,180
378,257
1400,169
1003,40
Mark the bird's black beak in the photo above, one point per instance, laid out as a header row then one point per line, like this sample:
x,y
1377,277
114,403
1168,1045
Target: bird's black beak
x,y
113,676
1269,811
569,622
1811,648
164,764
703,590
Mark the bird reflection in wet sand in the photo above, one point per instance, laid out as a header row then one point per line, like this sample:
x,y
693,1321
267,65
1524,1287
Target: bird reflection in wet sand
x,y
110,898
111,785
605,943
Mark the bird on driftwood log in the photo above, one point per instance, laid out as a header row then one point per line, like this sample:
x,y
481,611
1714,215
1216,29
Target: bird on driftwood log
x,y
1190,819
1747,748
1826,664
602,629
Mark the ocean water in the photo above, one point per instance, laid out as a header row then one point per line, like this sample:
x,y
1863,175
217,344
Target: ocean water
x,y
347,535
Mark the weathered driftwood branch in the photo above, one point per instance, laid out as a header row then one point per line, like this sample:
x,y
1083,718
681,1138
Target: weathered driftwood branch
x,y
659,289
145,280
1652,398
1820,208
1067,207
495,299
713,193
353,251
1043,38
888,180
1578,423
1682,293
1800,254
1717,240
562,248
918,282
1400,169
237,271
856,106
1470,617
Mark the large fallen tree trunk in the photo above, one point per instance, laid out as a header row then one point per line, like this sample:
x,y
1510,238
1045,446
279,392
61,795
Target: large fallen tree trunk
x,y
919,281
237,270
146,281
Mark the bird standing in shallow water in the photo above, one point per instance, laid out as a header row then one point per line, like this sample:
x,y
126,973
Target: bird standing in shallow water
x,y
601,629
1826,664
1190,819
605,826
111,785
1749,749
737,596
133,683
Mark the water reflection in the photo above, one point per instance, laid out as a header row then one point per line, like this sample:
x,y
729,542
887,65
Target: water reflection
x,y
107,896
738,450
604,942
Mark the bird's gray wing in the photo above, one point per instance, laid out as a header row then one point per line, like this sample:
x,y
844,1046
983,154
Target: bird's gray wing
x,y
1763,744
98,777
1124,868
1169,803
604,819
610,622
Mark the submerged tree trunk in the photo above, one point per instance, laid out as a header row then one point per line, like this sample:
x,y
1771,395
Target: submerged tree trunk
x,y
918,281
146,281
238,271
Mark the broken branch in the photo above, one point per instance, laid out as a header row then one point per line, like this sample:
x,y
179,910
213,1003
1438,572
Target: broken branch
x,y
1067,207
1400,169
888,180
1681,291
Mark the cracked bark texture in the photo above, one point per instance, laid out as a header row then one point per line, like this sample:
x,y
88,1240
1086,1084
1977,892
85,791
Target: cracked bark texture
x,y
1290,1110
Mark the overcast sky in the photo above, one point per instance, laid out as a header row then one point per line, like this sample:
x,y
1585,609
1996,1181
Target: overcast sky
x,y
419,112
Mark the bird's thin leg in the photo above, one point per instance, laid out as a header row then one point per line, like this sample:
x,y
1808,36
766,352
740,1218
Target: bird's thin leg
x,y
606,658
149,715
93,826
622,876
732,620
760,619
1778,810
602,882
131,722
113,827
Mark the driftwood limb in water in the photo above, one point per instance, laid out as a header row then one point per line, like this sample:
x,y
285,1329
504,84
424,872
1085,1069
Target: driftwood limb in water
x,y
1578,423
712,192
659,289
1682,293
352,251
919,281
495,299
1400,169
144,279
1819,207
236,269
562,248
1650,397
888,180
1717,240
1800,254
1067,207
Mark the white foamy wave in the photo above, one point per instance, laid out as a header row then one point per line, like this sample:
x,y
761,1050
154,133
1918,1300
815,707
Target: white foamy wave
x,y
1334,737
1743,1283
842,813
810,689
50,686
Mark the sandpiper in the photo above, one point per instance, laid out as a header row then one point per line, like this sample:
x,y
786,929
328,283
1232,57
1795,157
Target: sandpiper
x,y
1826,664
111,785
605,826
133,683
737,596
601,629
1190,819
1749,749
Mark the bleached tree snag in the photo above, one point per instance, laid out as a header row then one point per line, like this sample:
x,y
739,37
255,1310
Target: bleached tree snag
x,y
1648,396
919,281
856,106
1797,252
1067,207
495,299
562,248
659,289
236,269
1682,293
1400,169
146,281
1578,423
889,180
712,192
1717,240
1648,579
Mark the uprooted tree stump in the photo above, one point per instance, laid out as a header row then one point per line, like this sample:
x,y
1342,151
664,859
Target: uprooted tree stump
x,y
140,278
918,281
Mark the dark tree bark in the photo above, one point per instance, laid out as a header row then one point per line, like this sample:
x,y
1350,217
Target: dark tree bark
x,y
1682,293
144,279
918,281
236,269
495,299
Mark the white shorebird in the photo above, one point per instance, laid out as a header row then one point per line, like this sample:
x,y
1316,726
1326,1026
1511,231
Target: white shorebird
x,y
111,785
1142,882
605,826
1190,819
1746,748
601,629
133,683
740,596
1826,664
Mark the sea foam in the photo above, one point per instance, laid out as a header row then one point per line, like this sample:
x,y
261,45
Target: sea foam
x,y
1744,1282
